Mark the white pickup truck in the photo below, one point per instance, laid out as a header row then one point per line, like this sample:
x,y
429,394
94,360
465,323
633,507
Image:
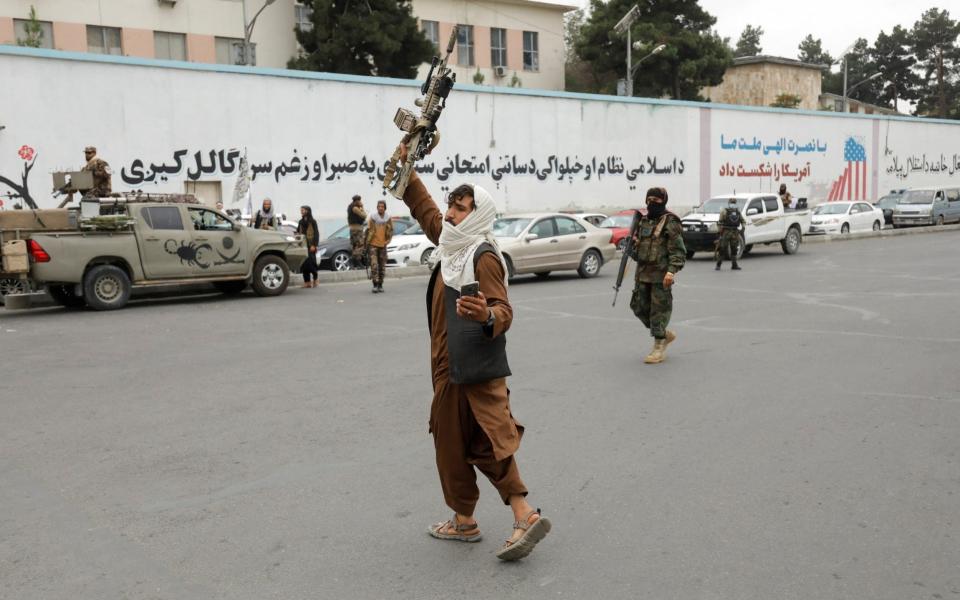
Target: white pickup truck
x,y
766,223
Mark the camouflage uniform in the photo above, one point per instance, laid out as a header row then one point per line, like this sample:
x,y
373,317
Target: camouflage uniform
x,y
101,176
660,250
377,238
728,241
355,218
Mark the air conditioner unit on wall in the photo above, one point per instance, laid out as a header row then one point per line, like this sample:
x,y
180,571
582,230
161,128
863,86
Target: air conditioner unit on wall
x,y
500,71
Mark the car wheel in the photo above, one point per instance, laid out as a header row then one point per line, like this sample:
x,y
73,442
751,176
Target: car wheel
x,y
425,257
12,286
877,226
542,274
590,264
791,243
271,276
340,261
511,272
940,220
106,287
231,288
64,295
690,254
845,229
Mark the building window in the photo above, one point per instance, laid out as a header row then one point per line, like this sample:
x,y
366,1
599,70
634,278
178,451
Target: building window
x,y
229,51
104,40
46,32
465,45
531,51
498,47
303,16
431,31
170,46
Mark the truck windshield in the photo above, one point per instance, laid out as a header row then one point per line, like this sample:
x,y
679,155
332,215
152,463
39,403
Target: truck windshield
x,y
918,197
831,209
713,206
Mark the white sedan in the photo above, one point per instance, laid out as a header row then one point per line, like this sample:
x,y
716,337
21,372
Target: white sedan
x,y
409,248
846,217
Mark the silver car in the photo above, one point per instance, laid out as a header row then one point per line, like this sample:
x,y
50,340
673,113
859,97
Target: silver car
x,y
541,243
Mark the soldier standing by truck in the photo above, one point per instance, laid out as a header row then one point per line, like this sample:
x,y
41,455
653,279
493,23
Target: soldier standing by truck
x,y
731,228
659,251
102,175
356,217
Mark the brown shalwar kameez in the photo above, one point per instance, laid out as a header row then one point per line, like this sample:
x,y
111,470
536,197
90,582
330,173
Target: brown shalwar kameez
x,y
471,423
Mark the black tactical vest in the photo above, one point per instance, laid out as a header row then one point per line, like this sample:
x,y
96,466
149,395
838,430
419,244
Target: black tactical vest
x,y
352,218
733,218
473,357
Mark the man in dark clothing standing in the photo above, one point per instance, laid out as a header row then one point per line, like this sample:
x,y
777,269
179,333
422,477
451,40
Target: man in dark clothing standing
x,y
660,254
356,217
307,227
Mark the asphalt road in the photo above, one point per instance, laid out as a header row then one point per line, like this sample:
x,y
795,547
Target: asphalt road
x,y
802,441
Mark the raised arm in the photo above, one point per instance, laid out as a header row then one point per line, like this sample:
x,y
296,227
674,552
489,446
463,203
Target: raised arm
x,y
423,208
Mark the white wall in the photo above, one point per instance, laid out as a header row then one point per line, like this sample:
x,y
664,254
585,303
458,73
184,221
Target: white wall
x,y
589,152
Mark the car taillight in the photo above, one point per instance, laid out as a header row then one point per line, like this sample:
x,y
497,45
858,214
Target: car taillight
x,y
37,252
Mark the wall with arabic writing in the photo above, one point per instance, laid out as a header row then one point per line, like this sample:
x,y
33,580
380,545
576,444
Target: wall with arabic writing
x,y
318,139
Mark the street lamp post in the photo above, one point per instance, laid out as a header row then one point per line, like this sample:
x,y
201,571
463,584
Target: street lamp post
x,y
623,26
248,29
653,52
843,56
846,91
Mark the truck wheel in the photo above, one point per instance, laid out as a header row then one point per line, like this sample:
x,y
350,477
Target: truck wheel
x,y
590,264
741,247
106,287
270,276
64,295
231,288
791,243
12,286
690,254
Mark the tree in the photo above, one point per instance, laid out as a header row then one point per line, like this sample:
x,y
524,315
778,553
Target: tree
x,y
749,42
891,56
34,31
934,44
694,56
860,67
578,76
787,101
812,52
373,37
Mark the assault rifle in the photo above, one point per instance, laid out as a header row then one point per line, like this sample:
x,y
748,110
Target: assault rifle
x,y
627,251
421,133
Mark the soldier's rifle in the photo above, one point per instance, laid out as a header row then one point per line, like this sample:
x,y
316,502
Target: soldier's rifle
x,y
627,251
421,134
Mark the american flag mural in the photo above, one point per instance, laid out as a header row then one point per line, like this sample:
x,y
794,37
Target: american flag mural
x,y
852,184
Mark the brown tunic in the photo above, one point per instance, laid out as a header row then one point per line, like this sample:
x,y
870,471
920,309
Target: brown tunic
x,y
472,424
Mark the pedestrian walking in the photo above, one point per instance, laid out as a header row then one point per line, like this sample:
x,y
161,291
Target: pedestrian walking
x,y
468,315
732,227
307,227
265,217
356,217
379,234
660,254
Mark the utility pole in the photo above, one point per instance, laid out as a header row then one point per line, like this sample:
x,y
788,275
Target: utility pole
x,y
623,26
248,30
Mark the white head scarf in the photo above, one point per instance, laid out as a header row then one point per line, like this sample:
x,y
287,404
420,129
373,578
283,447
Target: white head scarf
x,y
459,243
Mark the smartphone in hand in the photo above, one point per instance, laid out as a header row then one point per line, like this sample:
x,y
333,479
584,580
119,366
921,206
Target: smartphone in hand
x,y
470,289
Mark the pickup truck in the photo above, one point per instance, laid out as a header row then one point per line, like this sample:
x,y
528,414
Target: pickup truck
x,y
766,223
132,243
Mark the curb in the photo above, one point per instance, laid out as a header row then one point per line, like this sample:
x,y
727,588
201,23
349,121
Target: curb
x,y
833,237
358,275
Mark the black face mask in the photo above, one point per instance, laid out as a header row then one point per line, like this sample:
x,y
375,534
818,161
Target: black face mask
x,y
655,210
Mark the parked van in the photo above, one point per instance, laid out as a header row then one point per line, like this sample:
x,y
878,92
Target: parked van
x,y
927,206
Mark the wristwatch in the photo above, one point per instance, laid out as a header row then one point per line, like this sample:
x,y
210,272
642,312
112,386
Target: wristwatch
x,y
488,324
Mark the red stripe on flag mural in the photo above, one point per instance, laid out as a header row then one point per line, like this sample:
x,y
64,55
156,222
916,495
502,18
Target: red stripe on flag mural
x,y
856,182
843,184
833,188
849,181
865,180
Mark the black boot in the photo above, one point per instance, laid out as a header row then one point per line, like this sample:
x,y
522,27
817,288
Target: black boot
x,y
718,266
736,267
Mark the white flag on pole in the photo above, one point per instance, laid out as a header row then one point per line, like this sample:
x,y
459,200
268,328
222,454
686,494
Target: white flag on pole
x,y
241,191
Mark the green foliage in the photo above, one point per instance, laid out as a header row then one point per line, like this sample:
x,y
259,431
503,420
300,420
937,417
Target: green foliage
x,y
787,101
891,56
34,31
478,77
938,61
860,67
812,52
749,42
694,57
372,37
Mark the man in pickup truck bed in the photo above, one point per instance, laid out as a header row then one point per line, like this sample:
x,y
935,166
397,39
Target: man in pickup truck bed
x,y
102,175
470,416
659,251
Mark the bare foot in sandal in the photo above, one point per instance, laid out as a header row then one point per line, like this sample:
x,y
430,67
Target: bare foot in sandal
x,y
529,528
458,528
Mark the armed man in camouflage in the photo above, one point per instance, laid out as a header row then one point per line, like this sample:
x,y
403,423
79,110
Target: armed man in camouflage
x,y
732,226
356,217
660,254
379,234
102,185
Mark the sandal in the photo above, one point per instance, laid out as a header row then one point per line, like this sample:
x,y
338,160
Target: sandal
x,y
461,529
532,534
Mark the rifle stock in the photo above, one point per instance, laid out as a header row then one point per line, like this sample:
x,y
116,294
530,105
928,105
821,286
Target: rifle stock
x,y
627,251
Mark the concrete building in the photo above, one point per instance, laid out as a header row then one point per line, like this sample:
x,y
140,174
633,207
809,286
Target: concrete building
x,y
834,102
758,80
522,37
